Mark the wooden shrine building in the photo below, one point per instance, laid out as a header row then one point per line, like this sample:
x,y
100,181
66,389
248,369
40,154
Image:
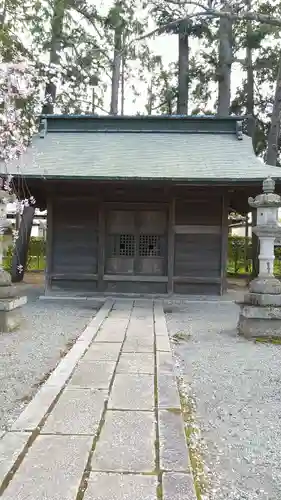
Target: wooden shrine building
x,y
140,204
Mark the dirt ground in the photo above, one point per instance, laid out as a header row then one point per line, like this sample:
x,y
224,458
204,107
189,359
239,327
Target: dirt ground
x,y
34,278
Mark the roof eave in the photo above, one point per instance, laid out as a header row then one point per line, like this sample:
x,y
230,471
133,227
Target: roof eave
x,y
201,181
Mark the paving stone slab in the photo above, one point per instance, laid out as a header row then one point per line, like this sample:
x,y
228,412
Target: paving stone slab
x,y
52,469
66,366
113,330
78,411
173,449
142,319
100,351
163,343
111,336
143,315
121,315
177,486
138,344
168,394
132,392
11,446
140,332
110,325
102,486
160,326
136,363
165,363
122,304
92,328
93,375
140,338
34,412
126,443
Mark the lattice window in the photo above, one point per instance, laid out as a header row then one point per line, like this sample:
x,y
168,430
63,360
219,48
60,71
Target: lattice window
x,y
149,245
123,245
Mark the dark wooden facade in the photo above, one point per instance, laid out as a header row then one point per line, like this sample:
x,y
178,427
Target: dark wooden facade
x,y
137,239
138,204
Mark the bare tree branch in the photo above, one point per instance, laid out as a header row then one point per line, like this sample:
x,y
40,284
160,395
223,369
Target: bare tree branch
x,y
235,12
204,10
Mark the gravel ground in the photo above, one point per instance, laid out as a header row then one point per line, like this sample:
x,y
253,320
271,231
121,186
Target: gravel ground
x,y
237,387
29,354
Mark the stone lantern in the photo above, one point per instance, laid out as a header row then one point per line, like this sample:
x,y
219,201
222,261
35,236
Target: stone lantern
x,y
10,301
260,311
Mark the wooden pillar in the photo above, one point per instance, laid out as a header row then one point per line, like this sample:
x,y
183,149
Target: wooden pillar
x,y
171,245
246,244
224,243
101,246
49,245
19,260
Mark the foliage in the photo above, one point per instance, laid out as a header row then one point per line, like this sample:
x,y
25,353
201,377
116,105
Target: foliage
x,y
36,255
240,256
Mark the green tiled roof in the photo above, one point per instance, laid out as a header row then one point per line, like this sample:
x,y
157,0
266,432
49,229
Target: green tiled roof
x,y
180,148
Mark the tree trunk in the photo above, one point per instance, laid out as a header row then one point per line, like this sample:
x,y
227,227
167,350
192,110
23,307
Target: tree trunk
x,y
183,74
93,100
123,67
55,46
3,15
19,260
116,71
251,133
250,98
250,94
225,63
150,99
274,131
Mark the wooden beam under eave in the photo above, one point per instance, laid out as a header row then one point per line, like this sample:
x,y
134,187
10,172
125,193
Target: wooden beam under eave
x,y
171,245
101,245
49,245
224,242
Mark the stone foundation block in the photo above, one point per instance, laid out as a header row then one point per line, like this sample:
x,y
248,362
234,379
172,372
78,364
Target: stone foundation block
x,y
256,312
258,327
10,313
267,285
5,278
262,299
7,292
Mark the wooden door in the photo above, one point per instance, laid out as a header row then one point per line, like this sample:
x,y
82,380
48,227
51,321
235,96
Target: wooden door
x,y
136,242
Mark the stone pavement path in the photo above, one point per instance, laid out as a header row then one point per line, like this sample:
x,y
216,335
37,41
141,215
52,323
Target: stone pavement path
x,y
107,424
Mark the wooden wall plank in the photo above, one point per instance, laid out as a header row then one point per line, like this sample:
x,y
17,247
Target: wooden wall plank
x,y
132,278
74,237
197,229
171,245
198,240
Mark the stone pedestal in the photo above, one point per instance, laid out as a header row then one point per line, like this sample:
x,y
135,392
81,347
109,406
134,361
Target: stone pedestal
x,y
10,304
10,313
10,301
260,311
260,320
